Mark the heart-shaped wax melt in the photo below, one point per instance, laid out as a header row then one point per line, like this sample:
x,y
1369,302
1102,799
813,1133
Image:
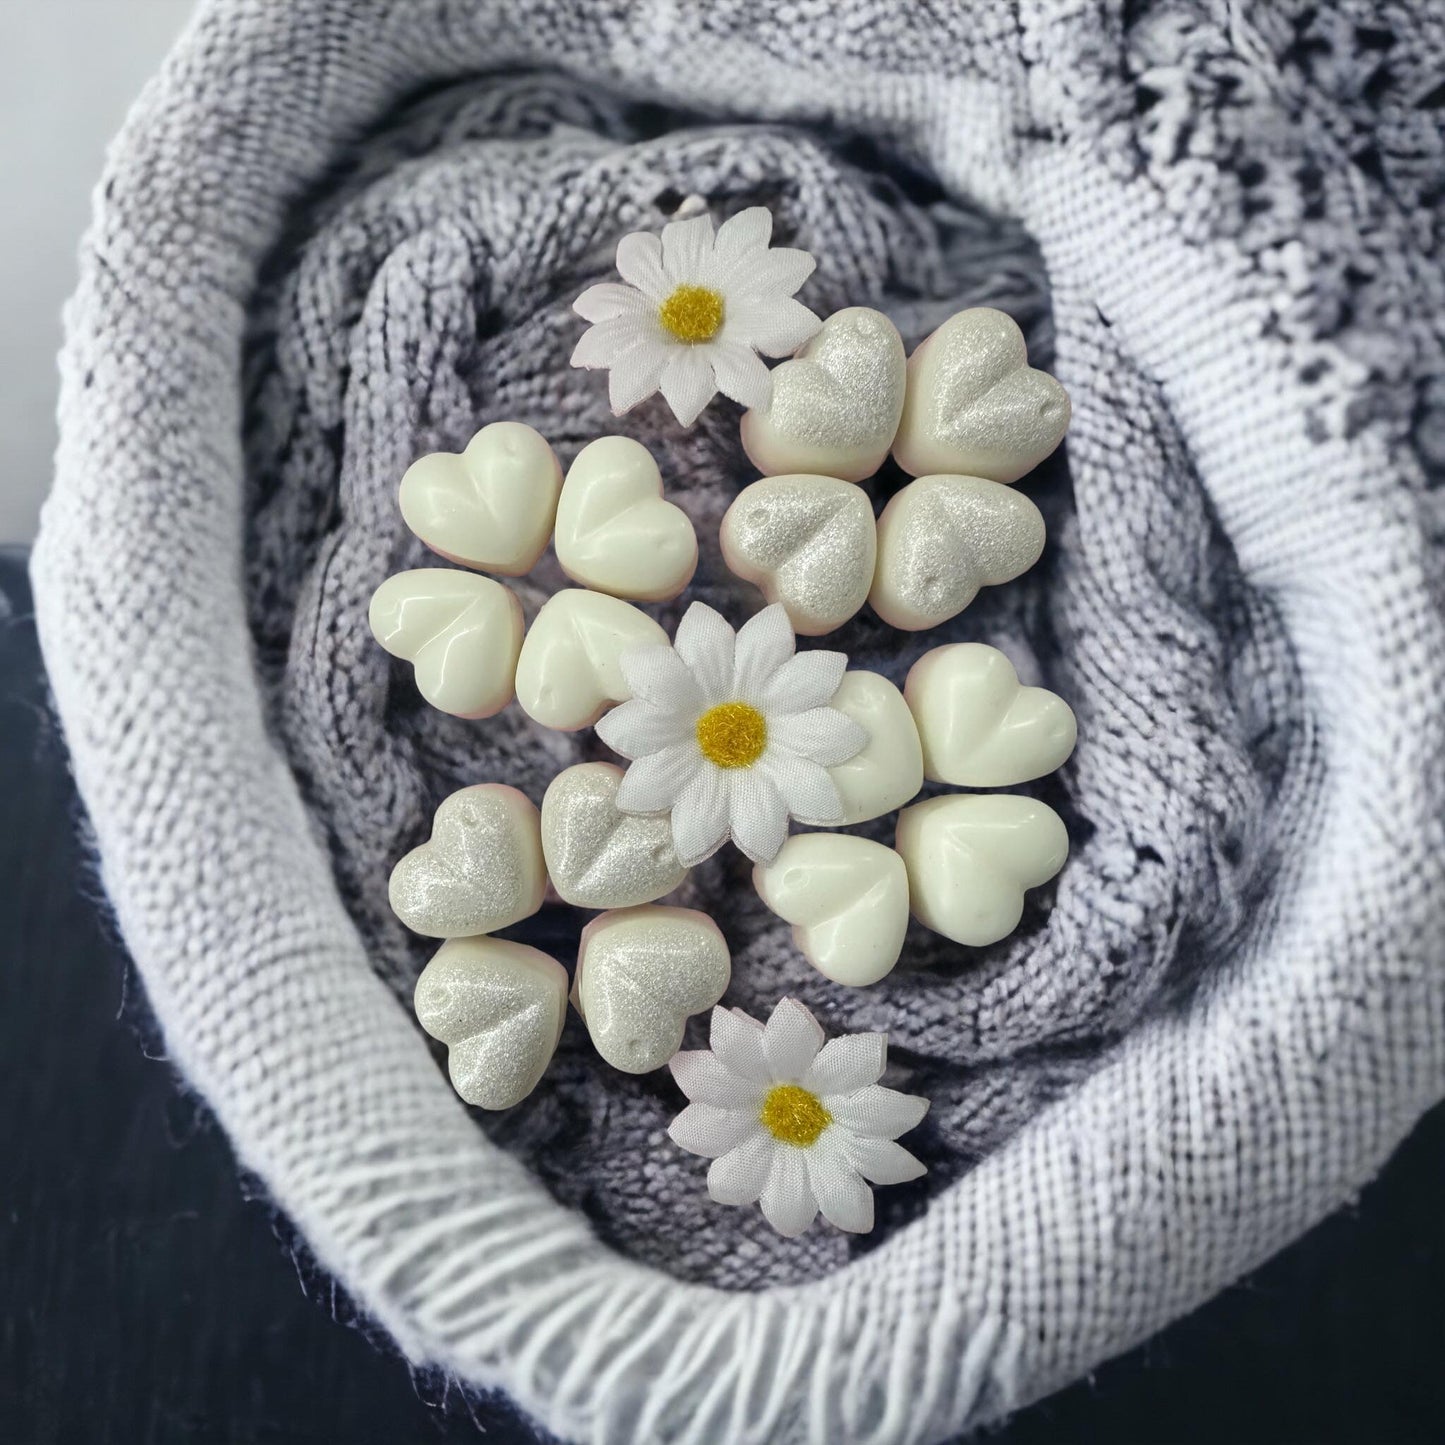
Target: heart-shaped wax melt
x,y
847,899
808,542
942,538
491,506
499,1008
598,857
481,869
836,404
975,406
971,856
888,772
641,972
978,726
460,632
615,532
569,673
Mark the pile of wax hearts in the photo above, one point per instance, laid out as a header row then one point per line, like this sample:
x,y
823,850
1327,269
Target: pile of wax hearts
x,y
965,416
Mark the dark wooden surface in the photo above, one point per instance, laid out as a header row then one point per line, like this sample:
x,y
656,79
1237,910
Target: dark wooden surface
x,y
149,1296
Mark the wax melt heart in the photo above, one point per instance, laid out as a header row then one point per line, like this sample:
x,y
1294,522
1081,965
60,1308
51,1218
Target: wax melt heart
x,y
569,672
978,726
942,538
975,405
807,542
615,532
888,772
461,633
481,869
499,1007
847,899
598,857
640,973
493,505
971,857
835,406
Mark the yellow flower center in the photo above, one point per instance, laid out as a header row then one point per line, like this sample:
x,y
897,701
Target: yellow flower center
x,y
794,1115
732,735
692,313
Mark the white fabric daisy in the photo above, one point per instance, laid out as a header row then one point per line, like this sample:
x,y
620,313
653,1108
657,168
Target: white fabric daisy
x,y
794,1123
695,313
732,734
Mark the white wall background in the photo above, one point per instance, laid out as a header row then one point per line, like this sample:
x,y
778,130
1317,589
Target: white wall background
x,y
69,70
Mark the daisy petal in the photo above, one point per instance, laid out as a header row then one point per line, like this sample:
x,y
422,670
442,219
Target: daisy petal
x,y
805,681
687,250
606,342
776,325
848,1063
737,1040
700,818
749,230
741,375
846,1201
703,1129
687,383
883,1162
639,261
654,783
791,1041
765,643
705,1079
634,375
775,274
787,1200
608,301
740,1175
757,815
705,642
660,676
877,1112
637,728
807,790
822,734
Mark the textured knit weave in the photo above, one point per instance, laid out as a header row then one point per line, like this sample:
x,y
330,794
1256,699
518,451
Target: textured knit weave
x,y
334,236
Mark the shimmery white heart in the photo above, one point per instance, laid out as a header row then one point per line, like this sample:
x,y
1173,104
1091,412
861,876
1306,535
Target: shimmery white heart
x,y
942,538
480,870
836,404
461,633
569,673
490,506
889,771
615,532
975,406
971,856
978,726
807,542
847,899
641,972
499,1008
598,857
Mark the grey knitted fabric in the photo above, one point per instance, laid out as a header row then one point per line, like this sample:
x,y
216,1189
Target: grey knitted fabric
x,y
334,236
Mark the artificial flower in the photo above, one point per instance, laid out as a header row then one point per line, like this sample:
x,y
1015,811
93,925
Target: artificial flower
x,y
731,734
695,312
793,1123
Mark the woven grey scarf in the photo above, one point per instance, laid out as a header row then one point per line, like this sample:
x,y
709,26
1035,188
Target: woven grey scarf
x,y
334,236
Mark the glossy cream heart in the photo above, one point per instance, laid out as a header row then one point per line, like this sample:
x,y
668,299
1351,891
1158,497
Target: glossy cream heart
x,y
975,406
598,857
970,857
569,672
461,633
807,542
942,538
980,728
836,404
847,899
492,505
889,771
480,870
615,532
641,972
499,1008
